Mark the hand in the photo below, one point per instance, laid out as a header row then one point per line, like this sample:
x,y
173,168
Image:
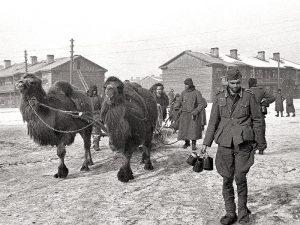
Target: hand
x,y
203,149
261,146
194,113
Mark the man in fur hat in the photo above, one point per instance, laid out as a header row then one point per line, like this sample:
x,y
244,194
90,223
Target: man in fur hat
x,y
96,102
191,104
235,124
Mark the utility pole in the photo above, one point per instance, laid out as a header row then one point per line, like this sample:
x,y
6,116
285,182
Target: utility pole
x,y
26,67
278,84
72,60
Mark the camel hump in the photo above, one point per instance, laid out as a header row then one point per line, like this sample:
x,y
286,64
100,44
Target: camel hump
x,y
62,87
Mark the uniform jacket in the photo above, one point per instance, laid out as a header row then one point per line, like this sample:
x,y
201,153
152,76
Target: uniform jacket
x,y
262,97
191,101
234,124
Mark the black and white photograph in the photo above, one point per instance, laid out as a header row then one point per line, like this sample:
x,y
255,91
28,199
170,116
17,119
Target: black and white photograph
x,y
150,112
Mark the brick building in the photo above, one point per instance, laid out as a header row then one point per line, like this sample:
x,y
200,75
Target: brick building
x,y
50,71
208,71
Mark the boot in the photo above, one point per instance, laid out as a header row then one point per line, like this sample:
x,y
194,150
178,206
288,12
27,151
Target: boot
x,y
288,115
194,145
187,144
277,114
281,114
293,115
96,139
261,152
228,219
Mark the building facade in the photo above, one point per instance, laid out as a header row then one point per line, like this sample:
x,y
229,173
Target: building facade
x,y
85,73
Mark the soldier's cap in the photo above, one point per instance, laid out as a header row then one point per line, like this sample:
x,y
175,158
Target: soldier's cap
x,y
188,81
234,74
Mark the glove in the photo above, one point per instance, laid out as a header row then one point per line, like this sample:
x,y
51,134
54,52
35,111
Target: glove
x,y
194,113
261,146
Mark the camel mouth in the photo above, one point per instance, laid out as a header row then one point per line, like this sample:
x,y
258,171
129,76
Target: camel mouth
x,y
21,85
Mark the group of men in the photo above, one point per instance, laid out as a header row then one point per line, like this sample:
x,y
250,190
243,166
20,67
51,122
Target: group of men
x,y
289,104
237,125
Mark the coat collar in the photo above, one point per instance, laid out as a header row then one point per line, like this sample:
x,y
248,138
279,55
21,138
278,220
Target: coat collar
x,y
227,92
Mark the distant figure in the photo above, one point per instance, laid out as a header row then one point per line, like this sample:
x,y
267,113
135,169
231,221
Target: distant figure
x,y
171,96
263,100
192,104
279,103
160,97
290,105
175,112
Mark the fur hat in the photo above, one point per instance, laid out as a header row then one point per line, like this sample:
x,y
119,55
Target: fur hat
x,y
233,74
252,82
188,81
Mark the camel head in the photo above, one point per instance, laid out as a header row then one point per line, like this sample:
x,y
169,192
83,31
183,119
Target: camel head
x,y
31,86
113,88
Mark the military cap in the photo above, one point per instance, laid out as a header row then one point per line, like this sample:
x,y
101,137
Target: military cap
x,y
233,74
188,81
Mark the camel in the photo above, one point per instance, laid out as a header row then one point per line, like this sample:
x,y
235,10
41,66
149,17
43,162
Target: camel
x,y
129,113
47,120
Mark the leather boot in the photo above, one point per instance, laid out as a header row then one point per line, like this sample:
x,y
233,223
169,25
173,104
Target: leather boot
x,y
186,144
96,139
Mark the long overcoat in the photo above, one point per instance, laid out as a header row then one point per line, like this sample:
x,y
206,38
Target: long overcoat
x,y
290,104
191,102
279,103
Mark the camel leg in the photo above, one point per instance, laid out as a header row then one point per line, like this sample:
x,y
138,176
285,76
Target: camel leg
x,y
62,169
125,173
146,155
87,151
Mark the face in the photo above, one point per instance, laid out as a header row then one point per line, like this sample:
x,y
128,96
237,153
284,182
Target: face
x,y
234,85
186,86
110,90
28,82
159,90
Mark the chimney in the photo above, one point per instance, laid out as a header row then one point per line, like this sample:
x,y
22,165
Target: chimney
x,y
233,53
7,63
33,60
215,52
276,56
50,58
261,55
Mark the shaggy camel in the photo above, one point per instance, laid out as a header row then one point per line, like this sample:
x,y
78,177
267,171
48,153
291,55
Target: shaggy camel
x,y
47,120
129,113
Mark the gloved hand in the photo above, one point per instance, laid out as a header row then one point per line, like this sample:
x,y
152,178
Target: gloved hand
x,y
194,113
261,146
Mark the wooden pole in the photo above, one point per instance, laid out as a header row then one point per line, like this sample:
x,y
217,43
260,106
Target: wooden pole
x,y
26,66
72,60
278,73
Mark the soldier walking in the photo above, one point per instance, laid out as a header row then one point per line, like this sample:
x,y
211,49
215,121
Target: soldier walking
x,y
191,104
263,100
235,124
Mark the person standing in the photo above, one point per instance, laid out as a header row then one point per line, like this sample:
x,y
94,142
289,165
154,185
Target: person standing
x,y
290,105
96,104
235,124
160,97
191,104
279,103
171,96
263,100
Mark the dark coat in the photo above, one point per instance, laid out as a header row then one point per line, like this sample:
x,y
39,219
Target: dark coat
x,y
290,104
191,105
279,103
233,124
262,97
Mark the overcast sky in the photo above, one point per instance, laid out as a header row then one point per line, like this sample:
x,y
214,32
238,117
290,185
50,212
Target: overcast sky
x,y
134,37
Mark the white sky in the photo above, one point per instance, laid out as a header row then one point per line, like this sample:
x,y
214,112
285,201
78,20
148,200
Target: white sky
x,y
134,37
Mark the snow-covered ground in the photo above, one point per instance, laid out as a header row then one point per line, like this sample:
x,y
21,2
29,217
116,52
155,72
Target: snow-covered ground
x,y
170,194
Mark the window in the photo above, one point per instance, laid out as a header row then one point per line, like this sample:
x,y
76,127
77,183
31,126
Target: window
x,y
219,73
2,102
259,73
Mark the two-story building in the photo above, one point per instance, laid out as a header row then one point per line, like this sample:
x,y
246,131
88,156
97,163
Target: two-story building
x,y
85,73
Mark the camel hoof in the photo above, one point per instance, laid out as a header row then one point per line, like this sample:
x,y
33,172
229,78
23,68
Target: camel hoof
x,y
90,163
148,166
85,168
123,176
62,172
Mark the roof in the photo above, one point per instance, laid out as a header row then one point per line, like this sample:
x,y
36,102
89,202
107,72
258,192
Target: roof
x,y
40,66
287,63
158,79
210,60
